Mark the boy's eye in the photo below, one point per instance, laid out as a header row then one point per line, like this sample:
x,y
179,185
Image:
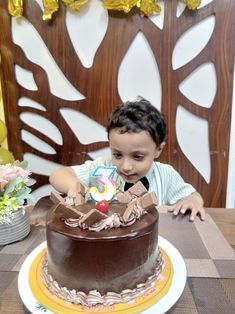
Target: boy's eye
x,y
117,155
138,157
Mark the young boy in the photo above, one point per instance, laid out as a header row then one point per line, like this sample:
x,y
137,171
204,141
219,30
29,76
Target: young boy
x,y
137,134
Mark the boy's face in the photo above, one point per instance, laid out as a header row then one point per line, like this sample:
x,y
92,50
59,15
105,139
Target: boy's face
x,y
133,153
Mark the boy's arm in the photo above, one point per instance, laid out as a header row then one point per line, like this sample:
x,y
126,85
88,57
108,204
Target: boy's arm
x,y
64,180
193,203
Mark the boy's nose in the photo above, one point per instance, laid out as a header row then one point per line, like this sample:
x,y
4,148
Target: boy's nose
x,y
126,166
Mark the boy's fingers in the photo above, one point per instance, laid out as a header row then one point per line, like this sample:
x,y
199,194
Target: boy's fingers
x,y
177,211
69,201
183,210
203,215
191,218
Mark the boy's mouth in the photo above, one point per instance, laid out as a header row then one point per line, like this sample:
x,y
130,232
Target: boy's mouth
x,y
131,178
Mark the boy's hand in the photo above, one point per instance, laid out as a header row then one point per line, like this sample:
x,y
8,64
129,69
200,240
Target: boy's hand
x,y
76,188
71,194
73,190
193,203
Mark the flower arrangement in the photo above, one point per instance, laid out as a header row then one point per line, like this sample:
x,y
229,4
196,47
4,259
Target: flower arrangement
x,y
13,189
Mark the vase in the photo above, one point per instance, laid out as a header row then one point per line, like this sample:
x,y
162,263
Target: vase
x,y
17,230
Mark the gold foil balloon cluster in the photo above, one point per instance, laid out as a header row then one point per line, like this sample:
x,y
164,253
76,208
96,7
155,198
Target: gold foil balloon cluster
x,y
6,156
15,7
192,4
74,5
121,5
147,7
50,7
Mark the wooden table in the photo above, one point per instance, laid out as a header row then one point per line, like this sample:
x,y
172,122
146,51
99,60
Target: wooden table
x,y
225,220
12,257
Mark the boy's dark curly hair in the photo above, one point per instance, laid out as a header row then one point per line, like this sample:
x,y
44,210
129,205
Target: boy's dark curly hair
x,y
137,116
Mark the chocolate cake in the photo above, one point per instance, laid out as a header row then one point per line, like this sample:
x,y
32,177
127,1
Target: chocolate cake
x,y
106,257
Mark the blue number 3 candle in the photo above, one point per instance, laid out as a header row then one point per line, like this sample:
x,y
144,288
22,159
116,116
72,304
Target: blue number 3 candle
x,y
104,175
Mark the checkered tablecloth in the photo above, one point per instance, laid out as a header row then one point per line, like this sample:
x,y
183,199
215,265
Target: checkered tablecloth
x,y
202,245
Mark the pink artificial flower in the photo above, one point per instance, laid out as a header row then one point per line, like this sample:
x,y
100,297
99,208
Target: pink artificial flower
x,y
9,172
3,183
20,171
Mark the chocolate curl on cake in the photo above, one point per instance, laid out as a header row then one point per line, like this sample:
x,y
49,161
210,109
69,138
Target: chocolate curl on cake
x,y
137,190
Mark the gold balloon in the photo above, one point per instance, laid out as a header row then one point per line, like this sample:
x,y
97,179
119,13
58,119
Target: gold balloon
x,y
121,5
15,7
50,7
6,157
3,131
149,7
74,5
192,4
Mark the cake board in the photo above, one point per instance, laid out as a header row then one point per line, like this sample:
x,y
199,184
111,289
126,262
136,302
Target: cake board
x,y
37,298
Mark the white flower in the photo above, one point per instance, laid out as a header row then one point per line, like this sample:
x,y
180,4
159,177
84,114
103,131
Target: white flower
x,y
13,189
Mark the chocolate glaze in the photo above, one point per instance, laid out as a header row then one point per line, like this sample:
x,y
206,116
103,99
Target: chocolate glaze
x,y
109,260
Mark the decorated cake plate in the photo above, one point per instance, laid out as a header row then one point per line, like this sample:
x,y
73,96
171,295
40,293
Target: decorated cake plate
x,y
167,290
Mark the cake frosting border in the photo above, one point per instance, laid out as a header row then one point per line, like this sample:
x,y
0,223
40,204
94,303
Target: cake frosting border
x,y
42,296
94,297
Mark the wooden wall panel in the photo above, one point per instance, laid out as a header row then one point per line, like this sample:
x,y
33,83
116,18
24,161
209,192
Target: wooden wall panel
x,y
99,84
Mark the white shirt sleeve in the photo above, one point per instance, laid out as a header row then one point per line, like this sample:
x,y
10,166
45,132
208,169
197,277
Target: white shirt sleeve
x,y
174,188
84,171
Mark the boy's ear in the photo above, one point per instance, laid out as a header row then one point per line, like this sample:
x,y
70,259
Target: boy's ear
x,y
159,149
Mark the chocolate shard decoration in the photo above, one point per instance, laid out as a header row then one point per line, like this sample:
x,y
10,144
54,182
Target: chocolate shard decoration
x,y
149,200
67,211
146,201
56,198
129,210
138,189
121,211
92,217
82,188
137,198
123,197
75,211
79,200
